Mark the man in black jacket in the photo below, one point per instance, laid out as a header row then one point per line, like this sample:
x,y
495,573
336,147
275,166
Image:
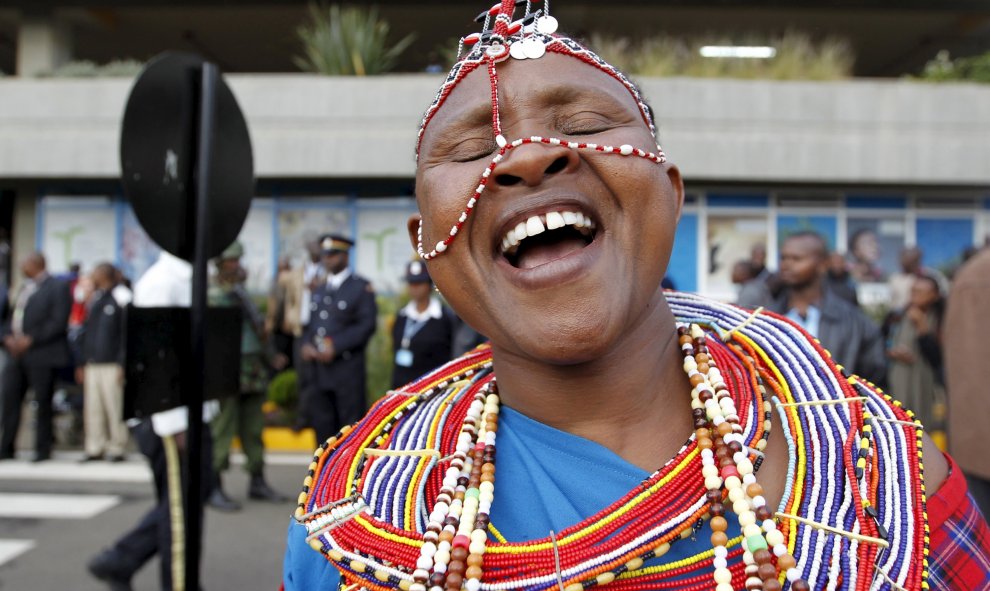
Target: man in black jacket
x,y
102,373
342,320
844,330
36,341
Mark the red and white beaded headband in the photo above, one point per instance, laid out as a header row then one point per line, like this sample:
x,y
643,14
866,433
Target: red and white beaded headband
x,y
530,37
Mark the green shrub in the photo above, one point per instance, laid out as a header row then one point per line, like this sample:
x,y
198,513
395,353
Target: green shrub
x,y
347,42
379,354
798,57
87,69
942,68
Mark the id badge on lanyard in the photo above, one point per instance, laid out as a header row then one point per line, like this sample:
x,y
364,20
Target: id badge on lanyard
x,y
404,356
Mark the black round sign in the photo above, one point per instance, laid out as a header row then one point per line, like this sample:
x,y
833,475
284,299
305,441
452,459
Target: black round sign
x,y
158,156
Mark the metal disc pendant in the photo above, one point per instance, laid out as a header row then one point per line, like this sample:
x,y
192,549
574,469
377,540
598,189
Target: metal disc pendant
x,y
534,48
517,50
546,25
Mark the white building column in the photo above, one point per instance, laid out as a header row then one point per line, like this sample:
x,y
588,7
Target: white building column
x,y
44,42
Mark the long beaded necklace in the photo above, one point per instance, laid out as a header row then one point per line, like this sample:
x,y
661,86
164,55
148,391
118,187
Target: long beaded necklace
x,y
403,500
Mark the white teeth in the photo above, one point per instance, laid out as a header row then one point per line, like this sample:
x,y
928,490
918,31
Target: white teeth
x,y
534,226
519,233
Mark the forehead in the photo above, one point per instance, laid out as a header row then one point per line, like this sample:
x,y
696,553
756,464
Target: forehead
x,y
803,245
553,80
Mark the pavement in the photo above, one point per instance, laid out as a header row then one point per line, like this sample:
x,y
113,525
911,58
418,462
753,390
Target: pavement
x,y
55,515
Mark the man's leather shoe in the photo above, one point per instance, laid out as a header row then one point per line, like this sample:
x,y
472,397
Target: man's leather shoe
x,y
109,568
221,502
259,490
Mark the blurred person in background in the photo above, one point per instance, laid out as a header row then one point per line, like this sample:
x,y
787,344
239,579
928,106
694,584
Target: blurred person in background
x,y
914,352
281,323
343,317
101,371
423,332
839,279
241,415
289,310
167,283
37,344
843,329
902,281
967,373
753,291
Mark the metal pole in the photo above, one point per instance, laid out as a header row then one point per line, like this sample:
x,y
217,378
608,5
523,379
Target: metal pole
x,y
194,484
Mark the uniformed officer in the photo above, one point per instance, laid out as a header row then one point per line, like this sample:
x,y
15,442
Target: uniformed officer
x,y
241,415
342,320
424,329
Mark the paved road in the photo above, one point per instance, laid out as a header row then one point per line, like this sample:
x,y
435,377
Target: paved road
x,y
55,515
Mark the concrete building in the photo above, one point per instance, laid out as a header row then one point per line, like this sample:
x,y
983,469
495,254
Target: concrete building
x,y
902,161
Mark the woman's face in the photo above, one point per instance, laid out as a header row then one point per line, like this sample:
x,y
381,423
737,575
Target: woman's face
x,y
924,293
419,291
565,295
867,247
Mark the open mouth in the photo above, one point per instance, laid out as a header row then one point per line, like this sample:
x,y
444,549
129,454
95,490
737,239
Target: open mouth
x,y
544,238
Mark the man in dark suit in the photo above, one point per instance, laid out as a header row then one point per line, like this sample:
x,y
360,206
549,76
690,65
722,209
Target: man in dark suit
x,y
342,320
35,338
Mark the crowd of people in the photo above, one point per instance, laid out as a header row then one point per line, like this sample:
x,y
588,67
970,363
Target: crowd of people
x,y
900,346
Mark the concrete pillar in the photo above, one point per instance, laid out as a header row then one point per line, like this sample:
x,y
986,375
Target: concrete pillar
x,y
24,229
44,42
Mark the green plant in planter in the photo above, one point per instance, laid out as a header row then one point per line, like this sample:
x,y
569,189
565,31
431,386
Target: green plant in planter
x,y
283,398
347,42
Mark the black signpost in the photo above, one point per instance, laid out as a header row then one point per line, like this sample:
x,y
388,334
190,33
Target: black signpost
x,y
187,170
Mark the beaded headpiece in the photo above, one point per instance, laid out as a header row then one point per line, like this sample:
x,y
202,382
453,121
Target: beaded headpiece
x,y
530,37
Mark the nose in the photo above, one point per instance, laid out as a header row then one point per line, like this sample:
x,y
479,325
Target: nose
x,y
530,164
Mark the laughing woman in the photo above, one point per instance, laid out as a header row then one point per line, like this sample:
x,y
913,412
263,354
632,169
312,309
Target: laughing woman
x,y
611,436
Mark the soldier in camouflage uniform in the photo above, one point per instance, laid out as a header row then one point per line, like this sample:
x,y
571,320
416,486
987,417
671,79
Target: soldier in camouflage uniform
x,y
241,415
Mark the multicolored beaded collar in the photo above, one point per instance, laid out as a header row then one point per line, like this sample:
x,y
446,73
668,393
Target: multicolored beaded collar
x,y
401,500
530,37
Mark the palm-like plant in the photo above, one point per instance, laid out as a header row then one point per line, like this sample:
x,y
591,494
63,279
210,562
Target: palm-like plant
x,y
347,42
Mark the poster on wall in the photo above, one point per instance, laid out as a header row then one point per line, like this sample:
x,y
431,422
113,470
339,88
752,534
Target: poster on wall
x,y
256,238
302,221
137,250
730,239
823,225
77,230
943,241
873,248
384,242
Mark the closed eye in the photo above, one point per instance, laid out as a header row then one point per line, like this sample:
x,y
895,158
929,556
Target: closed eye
x,y
472,149
585,123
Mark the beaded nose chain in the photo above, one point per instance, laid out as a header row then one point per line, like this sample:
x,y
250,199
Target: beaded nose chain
x,y
530,37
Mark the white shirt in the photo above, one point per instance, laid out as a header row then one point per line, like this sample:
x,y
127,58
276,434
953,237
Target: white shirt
x,y
433,310
810,322
166,283
311,271
122,294
169,283
335,281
